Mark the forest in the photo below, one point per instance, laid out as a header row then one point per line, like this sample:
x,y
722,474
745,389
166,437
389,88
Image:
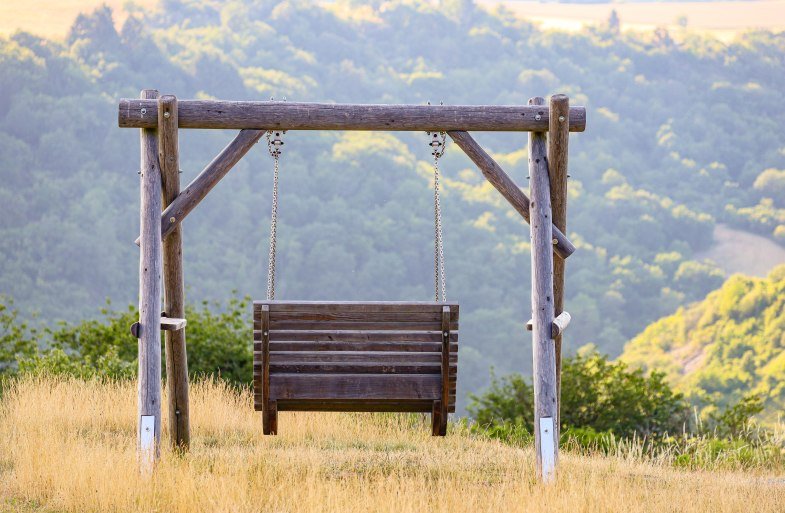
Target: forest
x,y
676,142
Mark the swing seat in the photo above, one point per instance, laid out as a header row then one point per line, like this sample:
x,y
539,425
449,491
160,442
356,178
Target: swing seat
x,y
355,356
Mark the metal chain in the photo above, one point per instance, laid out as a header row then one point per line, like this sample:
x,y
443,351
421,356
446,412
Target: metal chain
x,y
274,144
438,144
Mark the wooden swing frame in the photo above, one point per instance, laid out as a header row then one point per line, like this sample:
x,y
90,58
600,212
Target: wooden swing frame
x,y
164,206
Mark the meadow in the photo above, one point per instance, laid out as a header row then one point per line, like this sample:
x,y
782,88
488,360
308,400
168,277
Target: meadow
x,y
68,445
53,18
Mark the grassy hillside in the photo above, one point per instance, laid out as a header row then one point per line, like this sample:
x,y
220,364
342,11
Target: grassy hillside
x,y
68,446
728,345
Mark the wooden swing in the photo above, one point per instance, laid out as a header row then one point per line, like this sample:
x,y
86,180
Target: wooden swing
x,y
356,356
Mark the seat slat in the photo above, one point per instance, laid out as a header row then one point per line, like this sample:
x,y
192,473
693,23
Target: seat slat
x,y
370,325
359,316
355,386
358,335
356,368
359,356
425,347
355,306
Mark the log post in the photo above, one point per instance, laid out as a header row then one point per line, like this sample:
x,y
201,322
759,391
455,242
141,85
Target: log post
x,y
558,139
546,447
174,302
150,263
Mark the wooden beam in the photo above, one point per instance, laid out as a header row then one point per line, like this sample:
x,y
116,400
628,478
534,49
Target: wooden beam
x,y
172,324
272,115
150,261
560,323
174,295
546,446
558,142
506,186
196,191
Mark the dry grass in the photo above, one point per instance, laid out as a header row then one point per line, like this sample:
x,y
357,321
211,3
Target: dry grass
x,y
69,446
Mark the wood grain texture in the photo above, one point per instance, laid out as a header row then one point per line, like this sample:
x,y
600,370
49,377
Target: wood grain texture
x,y
396,356
196,191
544,382
506,186
272,115
172,323
560,323
174,293
359,336
558,144
445,397
354,386
150,264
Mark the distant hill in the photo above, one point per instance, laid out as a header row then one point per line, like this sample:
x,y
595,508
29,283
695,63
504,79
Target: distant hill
x,y
730,344
657,168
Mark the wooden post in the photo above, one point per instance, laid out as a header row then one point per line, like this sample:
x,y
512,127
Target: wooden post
x,y
545,443
174,302
558,140
150,263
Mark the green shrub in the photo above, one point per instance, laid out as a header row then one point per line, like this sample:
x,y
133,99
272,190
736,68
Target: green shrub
x,y
219,340
596,393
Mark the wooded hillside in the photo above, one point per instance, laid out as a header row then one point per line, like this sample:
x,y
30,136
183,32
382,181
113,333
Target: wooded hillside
x,y
679,136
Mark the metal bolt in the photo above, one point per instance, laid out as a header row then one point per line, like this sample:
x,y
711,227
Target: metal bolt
x,y
177,412
143,111
555,241
172,219
561,119
446,334
538,117
166,115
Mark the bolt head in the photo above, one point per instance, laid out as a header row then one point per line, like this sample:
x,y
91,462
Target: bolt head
x,y
561,119
143,111
172,219
538,117
166,115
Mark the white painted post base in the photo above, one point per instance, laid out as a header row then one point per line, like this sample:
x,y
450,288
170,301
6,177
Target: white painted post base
x,y
547,449
147,444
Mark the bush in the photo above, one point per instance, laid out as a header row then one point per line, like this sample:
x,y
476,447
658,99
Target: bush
x,y
598,394
219,344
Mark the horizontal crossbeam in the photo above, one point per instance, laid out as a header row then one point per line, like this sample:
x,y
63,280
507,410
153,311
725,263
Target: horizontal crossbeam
x,y
274,115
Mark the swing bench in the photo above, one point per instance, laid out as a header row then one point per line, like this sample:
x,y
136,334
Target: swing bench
x,y
355,356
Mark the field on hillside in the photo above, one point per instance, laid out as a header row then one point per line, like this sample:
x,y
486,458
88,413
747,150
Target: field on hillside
x,y
69,446
723,18
53,18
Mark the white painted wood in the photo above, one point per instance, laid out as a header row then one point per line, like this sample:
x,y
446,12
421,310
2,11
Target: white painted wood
x,y
547,449
147,443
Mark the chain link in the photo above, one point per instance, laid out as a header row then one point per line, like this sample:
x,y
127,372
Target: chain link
x,y
438,144
274,143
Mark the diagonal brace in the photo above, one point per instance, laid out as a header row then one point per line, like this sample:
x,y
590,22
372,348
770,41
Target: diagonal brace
x,y
196,191
505,185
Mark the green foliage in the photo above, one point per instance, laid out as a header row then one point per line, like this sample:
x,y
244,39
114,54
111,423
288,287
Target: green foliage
x,y
355,210
597,394
608,408
771,184
218,341
724,350
17,340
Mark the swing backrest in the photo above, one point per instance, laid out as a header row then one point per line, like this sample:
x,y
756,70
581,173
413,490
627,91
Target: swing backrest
x,y
353,356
